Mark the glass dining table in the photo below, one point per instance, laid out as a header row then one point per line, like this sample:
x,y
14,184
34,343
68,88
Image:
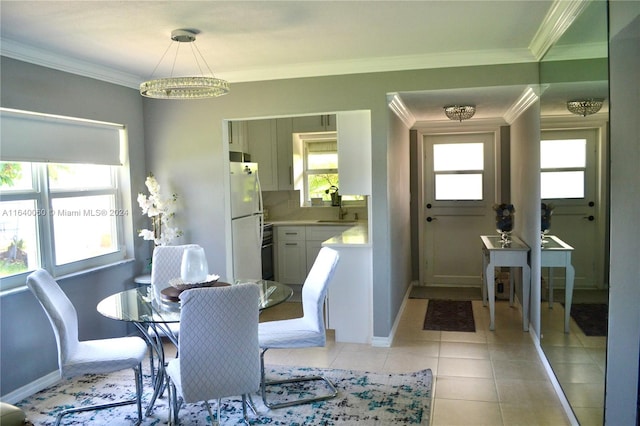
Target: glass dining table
x,y
151,317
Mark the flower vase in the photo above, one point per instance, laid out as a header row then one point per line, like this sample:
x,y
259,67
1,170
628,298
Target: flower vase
x,y
504,221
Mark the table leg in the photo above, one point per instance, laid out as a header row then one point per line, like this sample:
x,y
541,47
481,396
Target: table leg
x,y
155,342
570,274
491,292
550,272
526,289
512,286
485,255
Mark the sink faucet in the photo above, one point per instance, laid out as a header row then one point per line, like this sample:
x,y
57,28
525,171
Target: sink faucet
x,y
342,213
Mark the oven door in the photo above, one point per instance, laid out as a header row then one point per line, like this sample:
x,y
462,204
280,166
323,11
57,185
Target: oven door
x,y
267,261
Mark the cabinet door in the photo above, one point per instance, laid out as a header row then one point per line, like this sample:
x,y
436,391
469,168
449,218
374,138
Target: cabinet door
x,y
284,145
314,123
261,136
313,248
292,262
354,152
238,136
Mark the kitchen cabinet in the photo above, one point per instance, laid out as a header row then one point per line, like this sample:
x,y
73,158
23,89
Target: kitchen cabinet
x,y
284,146
354,152
297,248
261,135
291,254
315,236
238,136
314,123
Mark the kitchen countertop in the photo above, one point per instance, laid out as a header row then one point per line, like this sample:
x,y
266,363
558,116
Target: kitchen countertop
x,y
355,236
321,222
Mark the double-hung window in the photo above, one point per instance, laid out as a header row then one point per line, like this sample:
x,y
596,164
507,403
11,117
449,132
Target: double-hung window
x,y
320,168
60,202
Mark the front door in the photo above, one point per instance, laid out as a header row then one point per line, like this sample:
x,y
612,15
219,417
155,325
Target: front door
x,y
570,181
459,193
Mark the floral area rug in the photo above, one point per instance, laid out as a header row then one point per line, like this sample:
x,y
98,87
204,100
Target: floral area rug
x,y
363,397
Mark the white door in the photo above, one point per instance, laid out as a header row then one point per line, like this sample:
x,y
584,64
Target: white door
x,y
570,181
247,243
459,193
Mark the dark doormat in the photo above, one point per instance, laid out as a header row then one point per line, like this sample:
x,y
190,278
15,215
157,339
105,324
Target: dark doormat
x,y
449,315
592,318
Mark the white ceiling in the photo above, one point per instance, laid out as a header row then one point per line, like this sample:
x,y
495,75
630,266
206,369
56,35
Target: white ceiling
x,y
123,41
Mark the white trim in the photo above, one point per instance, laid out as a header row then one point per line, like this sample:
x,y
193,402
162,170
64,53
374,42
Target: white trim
x,y
559,17
400,109
553,379
526,99
32,388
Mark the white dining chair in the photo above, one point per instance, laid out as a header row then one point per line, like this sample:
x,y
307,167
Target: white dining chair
x,y
306,331
219,352
87,357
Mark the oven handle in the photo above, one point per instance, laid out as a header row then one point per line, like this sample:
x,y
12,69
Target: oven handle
x,y
267,245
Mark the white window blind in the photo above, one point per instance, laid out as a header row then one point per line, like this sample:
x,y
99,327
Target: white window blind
x,y
35,137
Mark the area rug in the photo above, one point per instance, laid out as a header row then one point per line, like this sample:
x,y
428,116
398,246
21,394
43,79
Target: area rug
x,y
449,315
364,397
592,318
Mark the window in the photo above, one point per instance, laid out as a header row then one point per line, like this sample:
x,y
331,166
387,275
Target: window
x,y
563,164
320,168
458,170
64,216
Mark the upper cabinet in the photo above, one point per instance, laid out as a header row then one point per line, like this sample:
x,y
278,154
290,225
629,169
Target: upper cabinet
x,y
238,136
261,136
314,123
354,152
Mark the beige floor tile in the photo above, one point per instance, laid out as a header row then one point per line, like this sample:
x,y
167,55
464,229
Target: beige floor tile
x,y
460,367
450,412
407,362
520,352
590,416
584,395
464,350
578,373
466,388
527,392
363,361
531,415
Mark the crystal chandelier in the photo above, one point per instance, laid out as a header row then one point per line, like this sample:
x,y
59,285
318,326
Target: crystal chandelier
x,y
584,107
185,87
460,112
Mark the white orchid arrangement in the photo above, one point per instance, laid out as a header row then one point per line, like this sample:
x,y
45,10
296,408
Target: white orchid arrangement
x,y
161,211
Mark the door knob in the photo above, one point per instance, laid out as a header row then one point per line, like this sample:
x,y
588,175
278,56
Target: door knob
x,y
590,218
429,219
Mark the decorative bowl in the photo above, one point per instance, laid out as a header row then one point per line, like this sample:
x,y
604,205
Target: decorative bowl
x,y
181,285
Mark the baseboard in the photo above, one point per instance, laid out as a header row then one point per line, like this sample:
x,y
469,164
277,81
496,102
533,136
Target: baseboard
x,y
554,380
32,388
386,342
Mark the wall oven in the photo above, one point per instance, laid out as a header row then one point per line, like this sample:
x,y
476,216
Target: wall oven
x,y
267,252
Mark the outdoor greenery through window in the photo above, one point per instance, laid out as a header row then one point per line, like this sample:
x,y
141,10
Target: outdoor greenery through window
x,y
64,217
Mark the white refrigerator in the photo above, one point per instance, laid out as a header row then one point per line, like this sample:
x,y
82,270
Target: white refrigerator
x,y
246,221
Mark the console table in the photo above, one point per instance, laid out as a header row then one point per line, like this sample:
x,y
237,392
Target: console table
x,y
496,253
557,253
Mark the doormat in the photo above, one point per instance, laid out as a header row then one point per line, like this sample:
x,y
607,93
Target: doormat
x,y
449,315
592,318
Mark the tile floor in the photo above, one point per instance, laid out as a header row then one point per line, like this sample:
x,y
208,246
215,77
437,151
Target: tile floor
x,y
481,378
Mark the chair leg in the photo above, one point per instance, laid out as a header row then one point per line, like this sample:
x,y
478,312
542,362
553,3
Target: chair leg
x,y
264,383
137,400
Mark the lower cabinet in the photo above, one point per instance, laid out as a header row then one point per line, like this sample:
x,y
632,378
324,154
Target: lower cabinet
x,y
297,249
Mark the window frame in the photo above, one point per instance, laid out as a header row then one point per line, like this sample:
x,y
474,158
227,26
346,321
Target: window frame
x,y
42,196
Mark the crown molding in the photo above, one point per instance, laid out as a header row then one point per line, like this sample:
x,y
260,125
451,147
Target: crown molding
x,y
30,54
400,109
559,17
25,53
526,99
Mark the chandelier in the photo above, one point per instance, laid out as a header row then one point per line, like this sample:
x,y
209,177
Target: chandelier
x,y
460,112
584,107
185,87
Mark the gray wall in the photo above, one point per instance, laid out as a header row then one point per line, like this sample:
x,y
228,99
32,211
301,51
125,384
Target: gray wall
x,y
27,345
624,294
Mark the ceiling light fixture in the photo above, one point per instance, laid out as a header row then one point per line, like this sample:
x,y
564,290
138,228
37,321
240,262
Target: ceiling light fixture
x,y
185,87
585,107
460,112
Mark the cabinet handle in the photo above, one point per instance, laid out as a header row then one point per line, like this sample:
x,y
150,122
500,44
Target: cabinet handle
x,y
290,175
291,233
328,120
290,244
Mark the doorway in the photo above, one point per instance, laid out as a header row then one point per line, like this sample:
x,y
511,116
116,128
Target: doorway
x,y
459,181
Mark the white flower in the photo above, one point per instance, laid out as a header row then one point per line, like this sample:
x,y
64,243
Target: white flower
x,y
161,211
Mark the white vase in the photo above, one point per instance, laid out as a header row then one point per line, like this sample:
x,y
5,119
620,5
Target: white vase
x,y
194,268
